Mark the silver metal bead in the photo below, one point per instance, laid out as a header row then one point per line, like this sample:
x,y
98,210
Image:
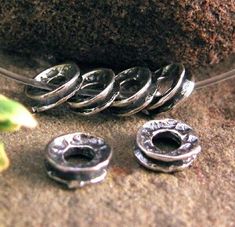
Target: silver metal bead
x,y
66,80
131,91
183,92
174,86
166,167
136,91
93,102
168,79
136,80
81,174
152,157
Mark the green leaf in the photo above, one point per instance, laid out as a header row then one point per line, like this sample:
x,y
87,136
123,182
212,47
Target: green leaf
x,y
7,126
13,115
4,161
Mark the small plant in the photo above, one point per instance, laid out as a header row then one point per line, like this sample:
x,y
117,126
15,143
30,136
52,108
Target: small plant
x,y
13,115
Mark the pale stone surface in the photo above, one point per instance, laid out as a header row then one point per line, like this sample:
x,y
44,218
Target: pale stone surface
x,y
202,195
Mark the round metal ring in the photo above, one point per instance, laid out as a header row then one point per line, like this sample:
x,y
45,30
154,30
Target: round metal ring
x,y
162,166
99,79
99,106
79,174
137,80
184,91
188,141
136,106
169,80
66,78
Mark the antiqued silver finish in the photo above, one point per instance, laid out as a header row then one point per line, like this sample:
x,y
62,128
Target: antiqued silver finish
x,y
79,174
136,91
166,167
152,157
183,92
136,106
135,80
182,87
133,90
129,92
65,79
90,103
101,105
169,79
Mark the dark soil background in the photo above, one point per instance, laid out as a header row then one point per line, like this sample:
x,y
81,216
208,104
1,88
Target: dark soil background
x,y
120,33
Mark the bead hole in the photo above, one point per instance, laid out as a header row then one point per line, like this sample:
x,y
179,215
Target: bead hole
x,y
79,155
166,78
166,141
58,80
129,87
